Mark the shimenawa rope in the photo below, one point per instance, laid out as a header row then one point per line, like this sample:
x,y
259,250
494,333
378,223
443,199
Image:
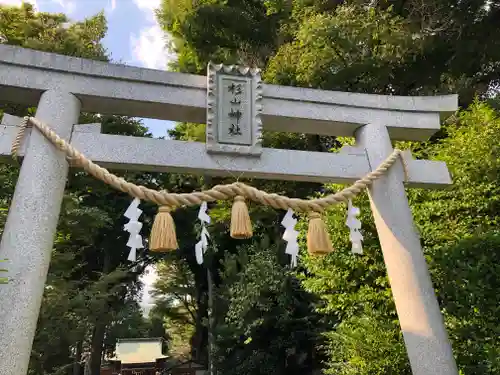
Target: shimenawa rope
x,y
219,192
163,233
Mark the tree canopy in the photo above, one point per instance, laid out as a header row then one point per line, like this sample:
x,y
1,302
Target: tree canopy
x,y
395,48
92,292
244,308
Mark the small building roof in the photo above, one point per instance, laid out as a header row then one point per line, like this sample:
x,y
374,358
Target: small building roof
x,y
139,350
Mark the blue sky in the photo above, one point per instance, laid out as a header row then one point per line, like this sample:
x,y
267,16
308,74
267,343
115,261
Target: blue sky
x,y
133,38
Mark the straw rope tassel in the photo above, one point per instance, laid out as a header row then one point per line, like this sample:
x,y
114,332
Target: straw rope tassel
x,y
241,225
318,240
163,237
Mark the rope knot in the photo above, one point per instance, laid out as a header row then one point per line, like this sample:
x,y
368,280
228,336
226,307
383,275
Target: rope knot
x,y
404,162
16,145
314,215
26,122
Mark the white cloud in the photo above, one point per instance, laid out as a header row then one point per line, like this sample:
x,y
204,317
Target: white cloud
x,y
18,2
68,6
148,5
151,48
110,6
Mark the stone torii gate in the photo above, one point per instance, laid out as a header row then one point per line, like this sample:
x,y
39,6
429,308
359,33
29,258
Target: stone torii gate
x,y
62,86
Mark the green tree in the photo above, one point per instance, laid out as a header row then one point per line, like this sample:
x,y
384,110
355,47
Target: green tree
x,y
367,344
91,289
399,47
459,229
266,323
24,27
396,47
224,31
466,278
174,293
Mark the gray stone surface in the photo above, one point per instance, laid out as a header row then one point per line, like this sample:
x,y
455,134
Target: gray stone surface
x,y
234,110
157,155
87,128
426,340
118,89
9,120
29,232
74,65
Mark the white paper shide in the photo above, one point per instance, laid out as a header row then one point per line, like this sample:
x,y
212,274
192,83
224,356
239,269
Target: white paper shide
x,y
290,236
134,227
354,225
202,245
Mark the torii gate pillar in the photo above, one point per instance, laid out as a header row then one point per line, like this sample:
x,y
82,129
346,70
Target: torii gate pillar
x,y
426,340
29,232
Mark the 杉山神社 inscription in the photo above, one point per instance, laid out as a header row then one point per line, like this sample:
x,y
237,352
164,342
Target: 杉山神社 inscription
x,y
233,110
233,120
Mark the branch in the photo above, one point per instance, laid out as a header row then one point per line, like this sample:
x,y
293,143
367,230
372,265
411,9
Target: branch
x,y
186,305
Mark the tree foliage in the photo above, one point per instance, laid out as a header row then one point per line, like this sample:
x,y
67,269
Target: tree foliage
x,y
400,47
91,292
261,305
175,303
367,344
459,227
335,313
393,47
24,27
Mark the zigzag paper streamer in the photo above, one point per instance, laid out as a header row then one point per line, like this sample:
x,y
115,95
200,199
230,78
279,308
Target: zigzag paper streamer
x,y
202,245
134,227
291,236
354,225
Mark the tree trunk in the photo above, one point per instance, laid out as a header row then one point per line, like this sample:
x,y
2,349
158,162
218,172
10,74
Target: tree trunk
x,y
86,366
78,358
99,331
97,344
199,340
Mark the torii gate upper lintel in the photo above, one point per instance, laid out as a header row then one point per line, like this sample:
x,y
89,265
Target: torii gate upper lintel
x,y
62,86
124,90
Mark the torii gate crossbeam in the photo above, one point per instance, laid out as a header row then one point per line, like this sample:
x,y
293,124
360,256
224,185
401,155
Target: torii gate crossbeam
x,y
125,90
62,86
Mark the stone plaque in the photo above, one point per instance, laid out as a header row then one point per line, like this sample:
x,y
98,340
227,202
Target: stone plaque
x,y
234,110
